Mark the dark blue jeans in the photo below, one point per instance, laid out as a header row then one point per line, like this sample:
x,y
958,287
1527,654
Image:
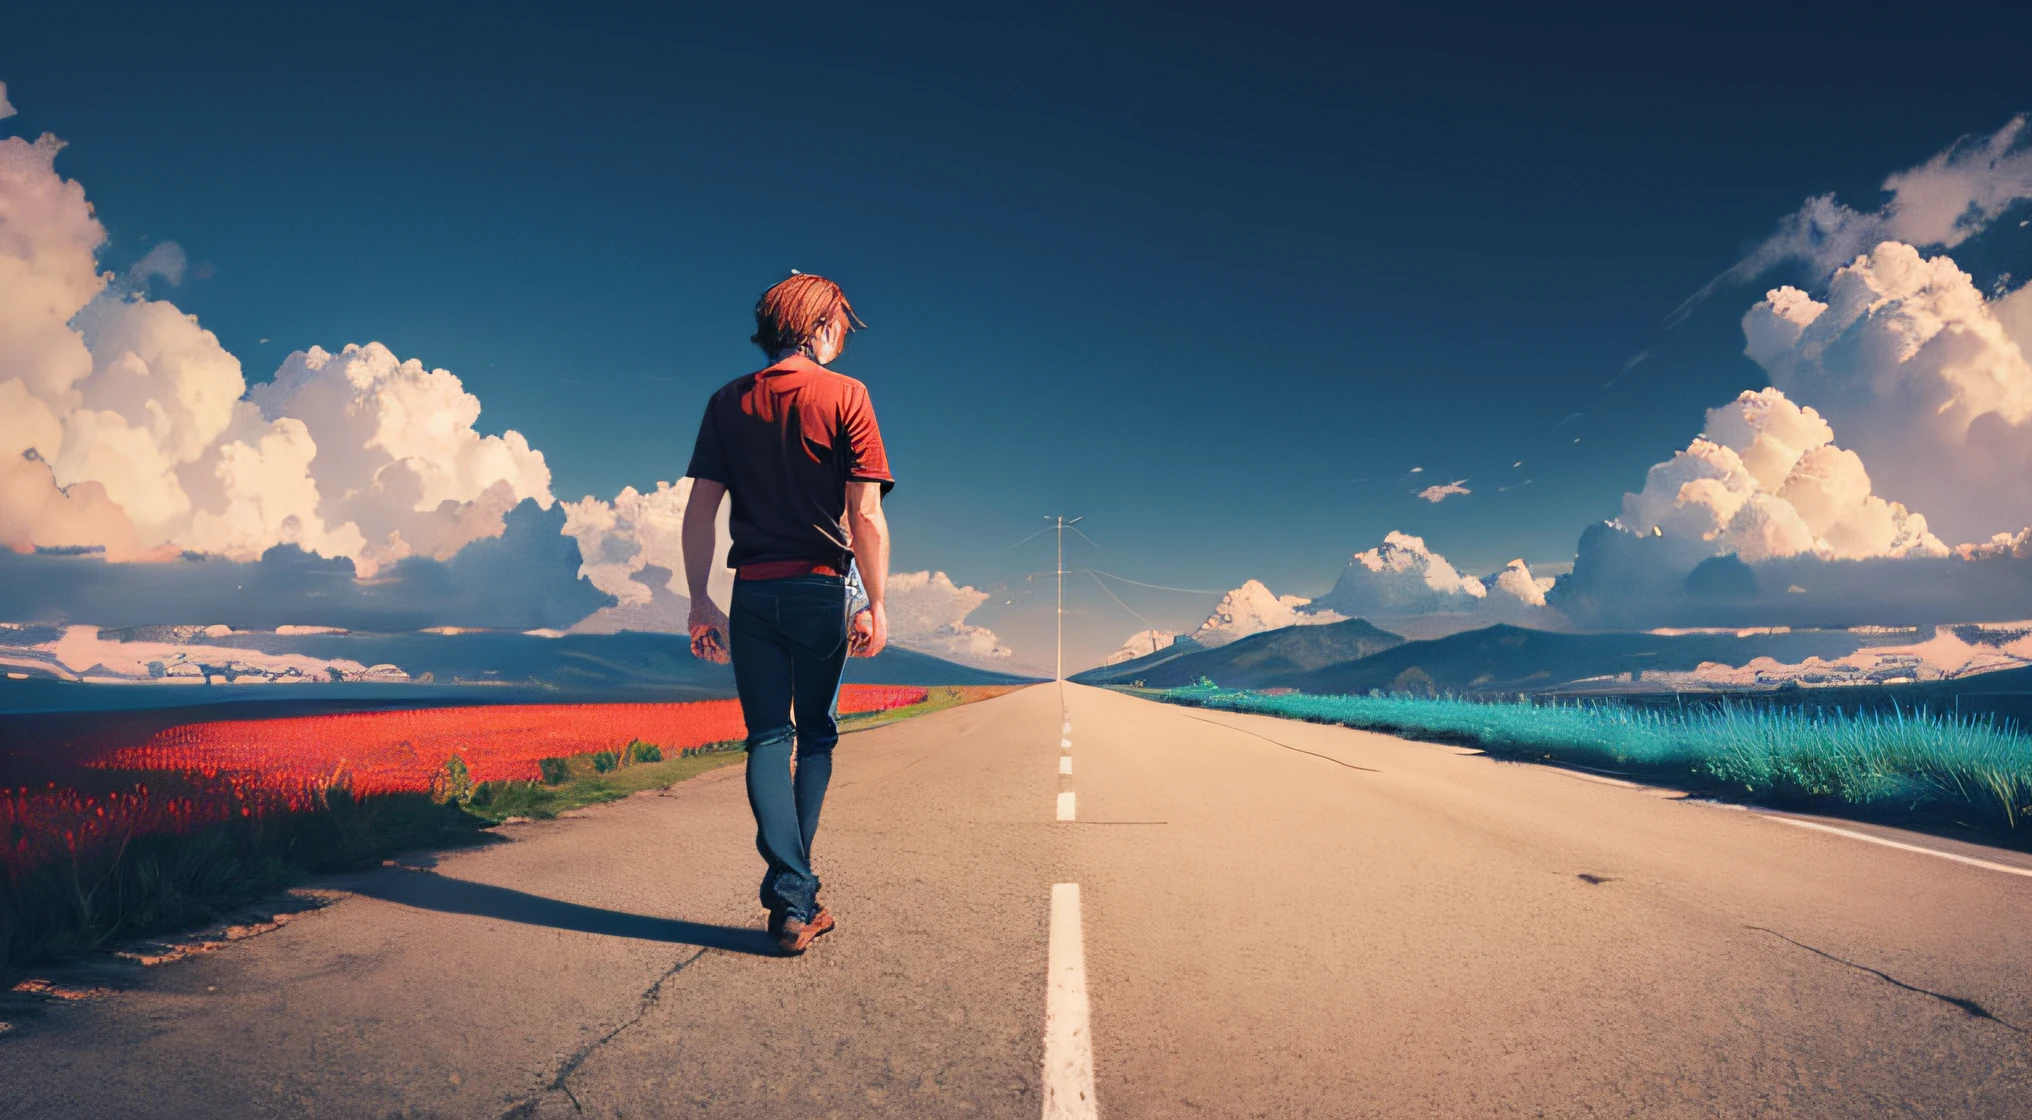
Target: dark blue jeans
x,y
788,638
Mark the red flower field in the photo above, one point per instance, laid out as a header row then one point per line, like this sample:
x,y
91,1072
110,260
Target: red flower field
x,y
205,773
385,752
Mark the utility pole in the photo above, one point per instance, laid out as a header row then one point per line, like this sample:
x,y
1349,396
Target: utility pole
x,y
1059,644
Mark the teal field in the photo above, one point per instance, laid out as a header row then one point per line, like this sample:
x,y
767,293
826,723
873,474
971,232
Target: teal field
x,y
1938,771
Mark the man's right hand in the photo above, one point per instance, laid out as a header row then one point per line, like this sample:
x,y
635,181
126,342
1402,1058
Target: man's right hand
x,y
708,631
868,633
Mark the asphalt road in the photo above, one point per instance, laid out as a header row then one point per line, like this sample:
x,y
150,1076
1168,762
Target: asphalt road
x,y
1376,928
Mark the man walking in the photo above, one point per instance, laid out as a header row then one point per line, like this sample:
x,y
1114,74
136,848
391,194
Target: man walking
x,y
797,447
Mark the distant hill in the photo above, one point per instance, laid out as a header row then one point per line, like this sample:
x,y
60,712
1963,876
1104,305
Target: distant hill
x,y
1356,656
1258,661
1975,670
1513,659
485,667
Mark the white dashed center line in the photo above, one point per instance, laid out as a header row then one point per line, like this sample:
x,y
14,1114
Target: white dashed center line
x,y
1065,807
1068,1039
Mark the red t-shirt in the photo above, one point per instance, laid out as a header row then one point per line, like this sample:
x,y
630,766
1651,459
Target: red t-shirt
x,y
785,441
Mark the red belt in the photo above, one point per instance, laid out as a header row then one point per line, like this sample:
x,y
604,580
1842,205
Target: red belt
x,y
784,569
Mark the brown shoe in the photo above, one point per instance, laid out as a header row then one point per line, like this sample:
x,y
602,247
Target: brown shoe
x,y
795,937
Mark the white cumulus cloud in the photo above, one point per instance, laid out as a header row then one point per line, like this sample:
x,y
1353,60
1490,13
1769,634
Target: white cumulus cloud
x,y
1402,575
1252,609
1403,585
269,498
617,539
927,612
36,513
125,425
632,552
6,107
1142,643
1925,378
1767,481
2017,546
48,271
161,393
398,453
1515,581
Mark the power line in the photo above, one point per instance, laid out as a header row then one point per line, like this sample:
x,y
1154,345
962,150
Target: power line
x,y
1024,541
1061,523
1158,586
1118,601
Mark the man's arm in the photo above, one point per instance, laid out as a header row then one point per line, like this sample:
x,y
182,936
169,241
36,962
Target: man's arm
x,y
870,531
701,541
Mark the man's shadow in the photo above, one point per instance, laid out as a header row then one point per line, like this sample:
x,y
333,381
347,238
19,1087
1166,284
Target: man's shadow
x,y
427,890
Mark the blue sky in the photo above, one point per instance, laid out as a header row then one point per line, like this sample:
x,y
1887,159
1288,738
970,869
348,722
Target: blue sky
x,y
1191,272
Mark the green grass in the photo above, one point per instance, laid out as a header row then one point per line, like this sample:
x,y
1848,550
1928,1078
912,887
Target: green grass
x,y
1918,768
582,781
937,699
573,783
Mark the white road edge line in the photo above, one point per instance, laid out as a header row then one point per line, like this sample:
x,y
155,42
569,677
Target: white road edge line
x,y
1068,1036
1853,835
1065,764
1065,806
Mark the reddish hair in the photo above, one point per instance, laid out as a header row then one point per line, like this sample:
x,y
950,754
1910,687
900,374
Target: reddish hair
x,y
796,310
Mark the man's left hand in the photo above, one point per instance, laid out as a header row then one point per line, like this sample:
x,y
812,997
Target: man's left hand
x,y
709,631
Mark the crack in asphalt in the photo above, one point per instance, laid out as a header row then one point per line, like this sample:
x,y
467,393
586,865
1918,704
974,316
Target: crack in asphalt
x,y
571,1064
1970,1007
1286,746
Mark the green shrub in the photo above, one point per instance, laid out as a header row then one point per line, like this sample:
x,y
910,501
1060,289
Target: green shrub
x,y
453,783
605,761
639,751
1414,681
555,771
